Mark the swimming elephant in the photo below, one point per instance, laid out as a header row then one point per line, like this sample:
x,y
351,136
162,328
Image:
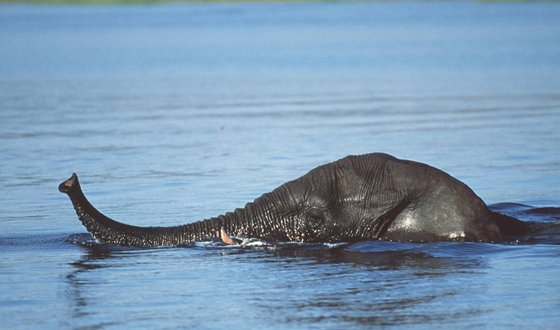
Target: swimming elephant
x,y
357,198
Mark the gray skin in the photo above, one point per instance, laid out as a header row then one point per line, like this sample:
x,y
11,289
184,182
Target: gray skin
x,y
357,198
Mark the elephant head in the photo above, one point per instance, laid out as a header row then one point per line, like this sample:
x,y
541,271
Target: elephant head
x,y
353,199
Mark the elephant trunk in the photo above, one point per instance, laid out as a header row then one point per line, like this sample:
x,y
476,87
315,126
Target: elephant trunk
x,y
241,222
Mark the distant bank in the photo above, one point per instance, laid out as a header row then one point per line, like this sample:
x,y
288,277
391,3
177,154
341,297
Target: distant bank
x,y
124,2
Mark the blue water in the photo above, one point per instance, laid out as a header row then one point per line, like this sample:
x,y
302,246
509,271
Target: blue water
x,y
175,113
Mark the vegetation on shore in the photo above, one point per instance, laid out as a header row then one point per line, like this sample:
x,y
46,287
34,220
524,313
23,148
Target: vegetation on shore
x,y
124,2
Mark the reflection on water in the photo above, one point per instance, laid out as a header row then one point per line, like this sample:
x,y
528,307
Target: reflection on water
x,y
385,295
408,258
359,284
75,283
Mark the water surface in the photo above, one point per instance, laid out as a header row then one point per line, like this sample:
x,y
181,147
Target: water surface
x,y
175,113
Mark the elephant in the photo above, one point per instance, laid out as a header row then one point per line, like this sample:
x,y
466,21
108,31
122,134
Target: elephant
x,y
357,198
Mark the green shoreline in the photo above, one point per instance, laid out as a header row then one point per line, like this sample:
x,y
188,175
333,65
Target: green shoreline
x,y
125,2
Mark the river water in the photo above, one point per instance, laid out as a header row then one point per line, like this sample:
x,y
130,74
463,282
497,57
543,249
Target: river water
x,y
174,113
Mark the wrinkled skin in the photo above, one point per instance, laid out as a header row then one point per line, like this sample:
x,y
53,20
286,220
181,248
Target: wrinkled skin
x,y
357,198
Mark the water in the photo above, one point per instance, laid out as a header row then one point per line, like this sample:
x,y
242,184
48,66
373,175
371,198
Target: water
x,y
175,113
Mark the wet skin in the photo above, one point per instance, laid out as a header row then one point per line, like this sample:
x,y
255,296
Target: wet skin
x,y
357,198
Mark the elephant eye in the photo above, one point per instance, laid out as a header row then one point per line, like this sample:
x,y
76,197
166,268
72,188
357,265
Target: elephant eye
x,y
315,218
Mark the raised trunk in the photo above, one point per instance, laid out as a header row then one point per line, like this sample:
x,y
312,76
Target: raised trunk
x,y
250,221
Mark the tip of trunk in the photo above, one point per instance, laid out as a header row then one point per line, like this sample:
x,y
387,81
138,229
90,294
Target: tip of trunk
x,y
69,185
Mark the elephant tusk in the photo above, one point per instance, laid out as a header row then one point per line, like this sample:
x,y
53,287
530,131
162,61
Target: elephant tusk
x,y
226,239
